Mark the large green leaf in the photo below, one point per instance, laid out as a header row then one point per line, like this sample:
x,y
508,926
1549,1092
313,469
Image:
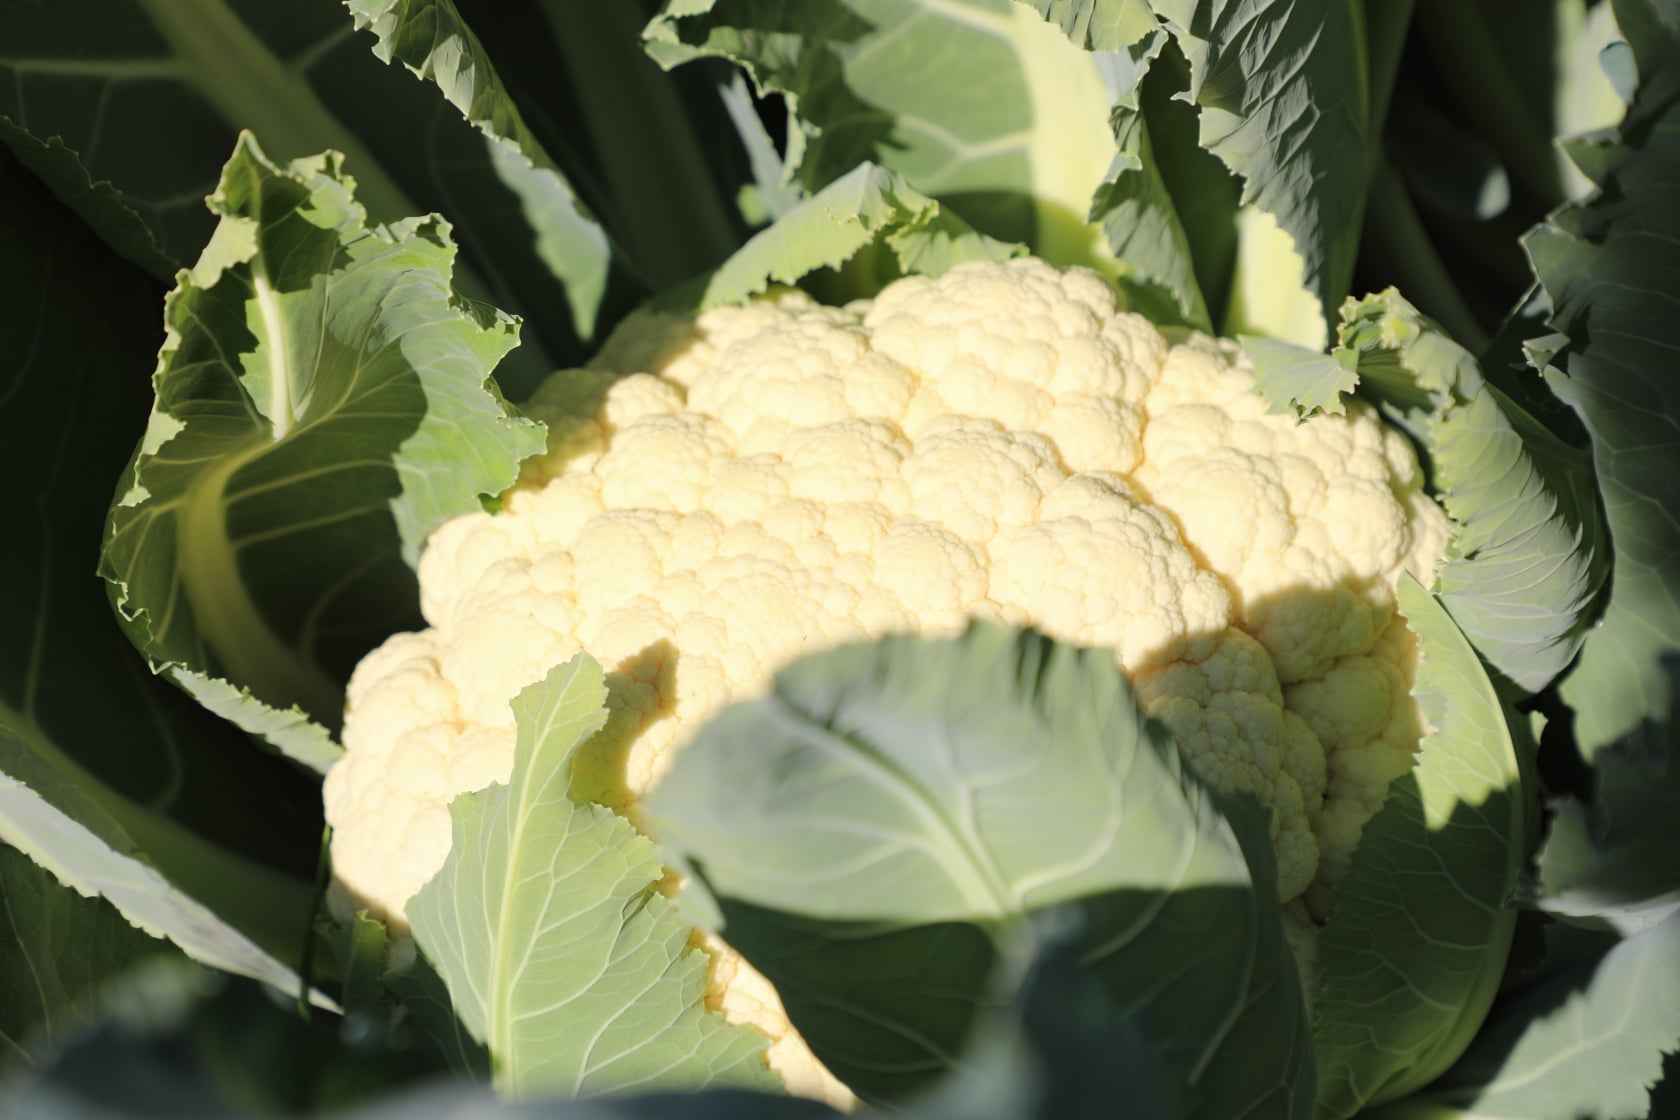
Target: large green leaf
x,y
1280,89
976,103
648,150
559,953
1527,563
113,778
1142,214
430,38
881,828
1611,861
1589,1042
57,951
1099,25
867,207
322,405
128,108
1607,267
1281,86
1416,943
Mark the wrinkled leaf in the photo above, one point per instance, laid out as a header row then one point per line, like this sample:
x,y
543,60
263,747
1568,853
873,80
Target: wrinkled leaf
x,y
895,811
1098,25
1281,88
322,405
113,778
1141,212
866,207
1607,265
1411,957
558,952
1527,562
1013,135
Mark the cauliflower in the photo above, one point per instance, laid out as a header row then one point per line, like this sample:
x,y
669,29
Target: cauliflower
x,y
724,492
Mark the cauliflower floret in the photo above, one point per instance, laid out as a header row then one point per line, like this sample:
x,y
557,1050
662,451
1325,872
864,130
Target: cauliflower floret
x,y
725,492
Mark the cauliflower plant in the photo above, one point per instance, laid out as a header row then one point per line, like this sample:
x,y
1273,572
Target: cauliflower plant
x,y
722,493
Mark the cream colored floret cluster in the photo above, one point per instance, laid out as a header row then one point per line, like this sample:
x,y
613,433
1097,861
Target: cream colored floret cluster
x,y
723,493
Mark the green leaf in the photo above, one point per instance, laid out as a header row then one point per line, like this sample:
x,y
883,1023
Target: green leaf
x,y
94,859
57,950
559,953
389,985
1610,862
174,1040
1098,25
431,40
1589,1042
1142,214
976,103
866,207
1411,957
1281,88
1295,379
128,109
881,828
125,782
1610,278
322,405
1527,563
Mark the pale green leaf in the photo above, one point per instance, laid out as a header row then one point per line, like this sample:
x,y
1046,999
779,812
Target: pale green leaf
x,y
96,859
1098,25
323,403
868,206
1295,379
976,103
880,830
1610,861
1416,942
559,953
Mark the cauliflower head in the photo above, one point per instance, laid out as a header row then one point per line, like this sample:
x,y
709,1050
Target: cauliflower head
x,y
723,492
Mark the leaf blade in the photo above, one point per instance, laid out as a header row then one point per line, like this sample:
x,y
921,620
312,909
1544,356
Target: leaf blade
x,y
535,877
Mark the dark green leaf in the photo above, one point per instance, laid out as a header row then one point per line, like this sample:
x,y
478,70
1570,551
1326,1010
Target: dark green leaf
x,y
430,38
1613,861
1588,1043
322,405
57,952
1609,270
109,776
